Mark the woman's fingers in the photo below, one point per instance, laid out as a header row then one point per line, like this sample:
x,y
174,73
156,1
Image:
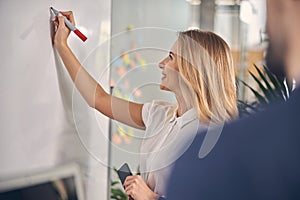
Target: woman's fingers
x,y
130,191
61,31
61,22
131,183
69,15
136,188
61,25
128,181
55,23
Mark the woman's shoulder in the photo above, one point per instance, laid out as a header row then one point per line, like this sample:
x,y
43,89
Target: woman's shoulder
x,y
158,109
159,105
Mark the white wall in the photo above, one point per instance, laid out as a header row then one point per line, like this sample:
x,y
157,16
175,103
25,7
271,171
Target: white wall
x,y
44,122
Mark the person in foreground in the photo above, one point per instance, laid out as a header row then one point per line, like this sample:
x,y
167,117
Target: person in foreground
x,y
198,70
257,157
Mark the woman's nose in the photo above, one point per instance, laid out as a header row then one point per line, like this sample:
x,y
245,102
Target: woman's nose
x,y
161,64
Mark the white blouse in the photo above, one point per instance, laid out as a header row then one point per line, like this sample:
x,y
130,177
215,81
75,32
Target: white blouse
x,y
166,138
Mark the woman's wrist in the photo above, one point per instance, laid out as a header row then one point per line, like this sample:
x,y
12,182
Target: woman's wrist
x,y
61,46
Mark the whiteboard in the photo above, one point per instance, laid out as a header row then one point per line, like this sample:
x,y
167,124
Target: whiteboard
x,y
44,122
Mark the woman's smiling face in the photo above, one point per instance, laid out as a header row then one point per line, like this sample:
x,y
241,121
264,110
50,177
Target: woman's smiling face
x,y
170,71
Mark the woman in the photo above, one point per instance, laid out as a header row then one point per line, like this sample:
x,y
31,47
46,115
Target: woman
x,y
198,70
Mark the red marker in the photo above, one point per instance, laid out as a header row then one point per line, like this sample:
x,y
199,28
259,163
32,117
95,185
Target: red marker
x,y
70,26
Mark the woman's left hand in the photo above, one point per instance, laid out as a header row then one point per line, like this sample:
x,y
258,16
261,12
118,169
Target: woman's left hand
x,y
136,188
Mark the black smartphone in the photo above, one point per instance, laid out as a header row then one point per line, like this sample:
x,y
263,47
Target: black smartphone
x,y
123,172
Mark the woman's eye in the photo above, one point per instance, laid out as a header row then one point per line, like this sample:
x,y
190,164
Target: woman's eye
x,y
171,57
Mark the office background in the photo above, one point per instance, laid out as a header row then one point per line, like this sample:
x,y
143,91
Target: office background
x,y
44,121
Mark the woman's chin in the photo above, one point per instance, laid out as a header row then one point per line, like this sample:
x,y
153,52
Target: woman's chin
x,y
162,87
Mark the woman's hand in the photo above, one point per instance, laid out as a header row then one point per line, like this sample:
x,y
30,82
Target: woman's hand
x,y
62,32
136,188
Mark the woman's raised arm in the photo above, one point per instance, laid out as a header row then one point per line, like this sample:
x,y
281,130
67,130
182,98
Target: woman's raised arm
x,y
127,112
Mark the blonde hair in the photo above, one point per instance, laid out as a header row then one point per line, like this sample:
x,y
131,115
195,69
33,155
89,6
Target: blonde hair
x,y
206,66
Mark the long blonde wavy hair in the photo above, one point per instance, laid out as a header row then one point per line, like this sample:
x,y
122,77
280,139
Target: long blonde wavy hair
x,y
206,66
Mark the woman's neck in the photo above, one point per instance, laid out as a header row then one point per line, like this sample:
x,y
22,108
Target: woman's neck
x,y
183,105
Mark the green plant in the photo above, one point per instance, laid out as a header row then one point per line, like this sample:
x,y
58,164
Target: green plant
x,y
116,191
270,89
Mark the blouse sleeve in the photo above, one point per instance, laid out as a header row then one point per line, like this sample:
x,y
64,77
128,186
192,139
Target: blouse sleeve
x,y
155,109
146,113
